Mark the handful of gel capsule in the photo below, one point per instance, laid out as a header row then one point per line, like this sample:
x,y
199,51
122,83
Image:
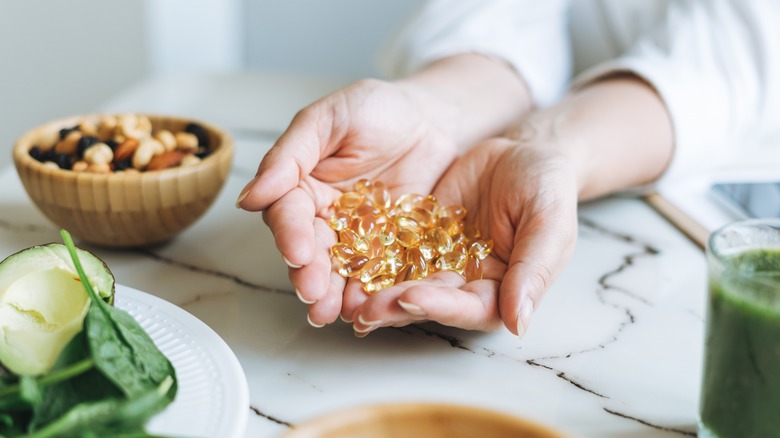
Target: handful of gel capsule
x,y
383,243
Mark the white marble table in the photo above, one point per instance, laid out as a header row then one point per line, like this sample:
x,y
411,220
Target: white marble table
x,y
613,351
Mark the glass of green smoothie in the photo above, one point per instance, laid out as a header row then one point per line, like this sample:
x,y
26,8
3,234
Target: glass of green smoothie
x,y
740,394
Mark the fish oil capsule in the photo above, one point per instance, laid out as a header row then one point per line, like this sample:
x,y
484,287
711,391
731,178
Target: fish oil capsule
x,y
452,261
375,248
387,233
428,249
405,273
361,244
409,224
408,238
342,251
454,212
366,225
423,217
470,232
429,203
413,256
407,202
473,269
367,207
450,225
378,283
363,186
351,267
481,248
393,250
380,195
349,200
440,239
348,236
339,220
370,269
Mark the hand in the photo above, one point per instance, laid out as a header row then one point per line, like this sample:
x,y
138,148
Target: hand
x,y
523,196
372,129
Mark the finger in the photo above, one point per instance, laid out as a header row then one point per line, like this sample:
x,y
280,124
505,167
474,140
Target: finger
x,y
354,297
291,220
535,261
326,309
291,159
312,281
443,297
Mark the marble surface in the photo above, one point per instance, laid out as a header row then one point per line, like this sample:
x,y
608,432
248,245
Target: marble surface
x,y
613,351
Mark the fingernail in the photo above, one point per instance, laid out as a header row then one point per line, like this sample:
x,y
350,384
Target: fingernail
x,y
345,319
366,330
361,335
311,323
292,265
245,192
371,323
524,316
303,300
414,309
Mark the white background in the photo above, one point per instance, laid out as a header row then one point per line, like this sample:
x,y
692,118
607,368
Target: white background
x,y
63,57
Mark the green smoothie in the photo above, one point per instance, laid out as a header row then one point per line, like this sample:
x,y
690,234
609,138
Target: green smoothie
x,y
741,383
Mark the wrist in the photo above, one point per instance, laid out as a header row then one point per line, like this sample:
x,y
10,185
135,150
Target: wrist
x,y
470,97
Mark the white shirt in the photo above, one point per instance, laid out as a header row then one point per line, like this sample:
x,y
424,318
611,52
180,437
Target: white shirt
x,y
715,63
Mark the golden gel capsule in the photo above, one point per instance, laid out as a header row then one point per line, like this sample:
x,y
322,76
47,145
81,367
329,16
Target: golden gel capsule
x,y
450,225
351,267
342,251
387,233
366,225
370,269
378,283
380,195
408,238
339,220
428,249
454,212
416,258
348,236
424,218
440,239
473,269
408,201
349,200
481,248
452,261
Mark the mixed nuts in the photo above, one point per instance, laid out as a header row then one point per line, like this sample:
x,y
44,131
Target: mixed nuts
x,y
127,142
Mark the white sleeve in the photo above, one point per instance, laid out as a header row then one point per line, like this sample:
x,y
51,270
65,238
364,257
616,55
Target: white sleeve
x,y
716,65
530,35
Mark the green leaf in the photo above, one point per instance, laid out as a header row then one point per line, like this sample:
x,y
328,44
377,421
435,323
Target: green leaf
x,y
122,350
109,417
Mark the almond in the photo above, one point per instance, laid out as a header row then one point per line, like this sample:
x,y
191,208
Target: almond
x,y
165,160
125,150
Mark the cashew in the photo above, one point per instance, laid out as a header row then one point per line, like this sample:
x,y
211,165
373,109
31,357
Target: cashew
x,y
143,155
167,139
88,128
132,126
99,153
107,127
51,165
186,142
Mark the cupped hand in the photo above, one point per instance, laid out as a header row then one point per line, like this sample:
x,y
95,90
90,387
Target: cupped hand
x,y
371,129
521,195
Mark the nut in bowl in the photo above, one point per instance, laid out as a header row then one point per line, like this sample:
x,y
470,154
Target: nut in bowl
x,y
124,180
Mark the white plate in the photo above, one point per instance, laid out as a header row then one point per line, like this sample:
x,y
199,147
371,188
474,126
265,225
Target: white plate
x,y
213,395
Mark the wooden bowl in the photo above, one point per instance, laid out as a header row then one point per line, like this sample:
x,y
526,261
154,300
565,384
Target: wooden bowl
x,y
410,420
124,209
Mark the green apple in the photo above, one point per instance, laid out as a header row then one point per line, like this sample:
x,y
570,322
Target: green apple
x,y
43,304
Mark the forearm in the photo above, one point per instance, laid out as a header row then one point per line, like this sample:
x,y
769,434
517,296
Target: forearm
x,y
616,133
470,97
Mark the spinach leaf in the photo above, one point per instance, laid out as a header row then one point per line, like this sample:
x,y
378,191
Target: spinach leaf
x,y
75,387
109,417
122,350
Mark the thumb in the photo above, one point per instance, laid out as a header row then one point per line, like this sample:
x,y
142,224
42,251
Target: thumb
x,y
541,249
291,159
